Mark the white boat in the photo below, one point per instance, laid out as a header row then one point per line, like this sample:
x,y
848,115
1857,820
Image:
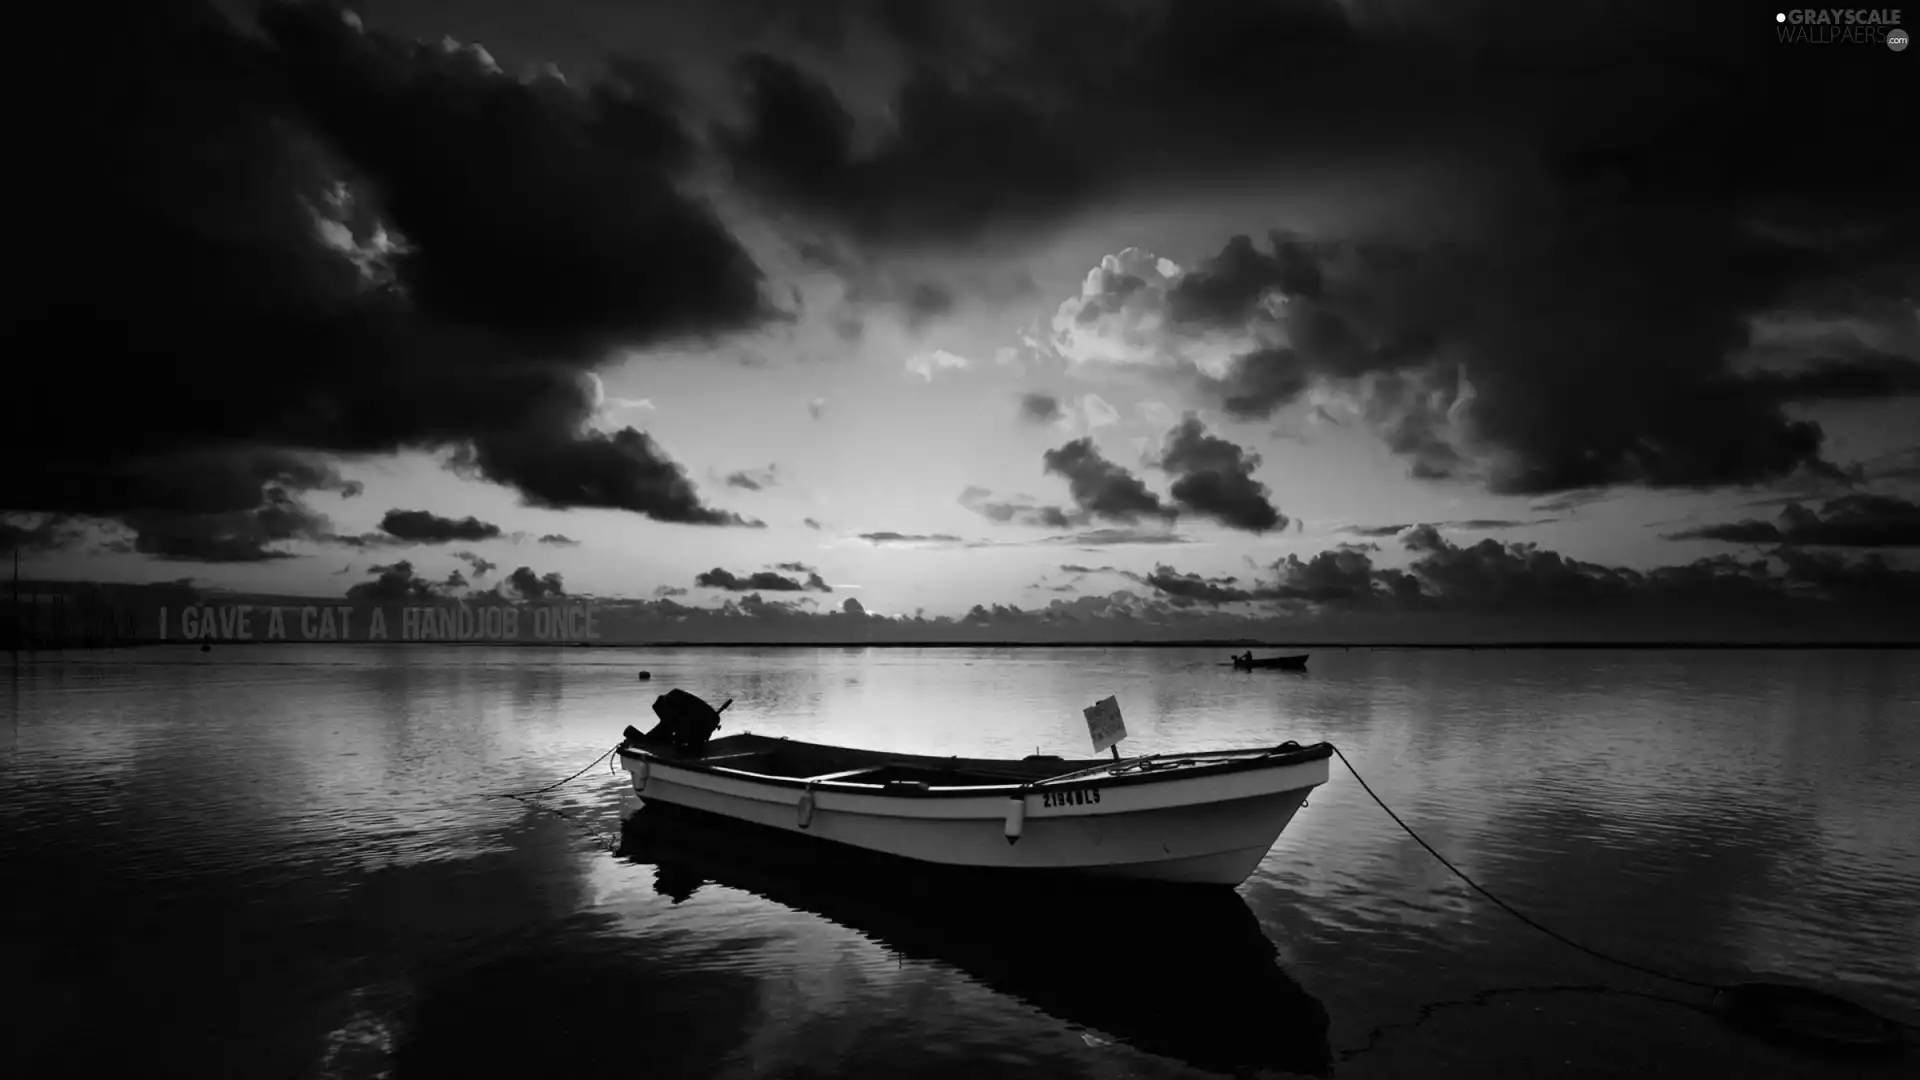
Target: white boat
x,y
1207,817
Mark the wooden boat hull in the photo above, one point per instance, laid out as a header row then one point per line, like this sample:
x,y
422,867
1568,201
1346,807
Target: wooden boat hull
x,y
1197,819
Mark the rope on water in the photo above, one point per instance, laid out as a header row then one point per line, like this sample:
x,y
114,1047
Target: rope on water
x,y
526,797
605,839
558,783
1504,906
1734,994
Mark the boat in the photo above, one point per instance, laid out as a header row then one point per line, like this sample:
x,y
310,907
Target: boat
x,y
1206,817
1212,994
1264,663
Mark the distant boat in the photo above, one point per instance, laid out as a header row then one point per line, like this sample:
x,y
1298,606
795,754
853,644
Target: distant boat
x,y
1207,817
1263,663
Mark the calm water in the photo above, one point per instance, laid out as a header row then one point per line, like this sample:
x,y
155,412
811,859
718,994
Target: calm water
x,y
275,862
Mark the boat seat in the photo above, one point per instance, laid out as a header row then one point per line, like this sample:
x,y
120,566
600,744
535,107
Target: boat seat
x,y
846,774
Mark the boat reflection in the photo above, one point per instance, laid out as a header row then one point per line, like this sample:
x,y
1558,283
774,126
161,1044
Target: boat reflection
x,y
1179,972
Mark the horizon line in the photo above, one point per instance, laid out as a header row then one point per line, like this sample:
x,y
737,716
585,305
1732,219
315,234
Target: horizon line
x,y
1206,643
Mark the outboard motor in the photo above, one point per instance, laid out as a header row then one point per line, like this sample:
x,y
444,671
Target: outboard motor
x,y
686,722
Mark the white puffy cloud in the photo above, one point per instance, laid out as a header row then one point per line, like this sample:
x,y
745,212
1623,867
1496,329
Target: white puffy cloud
x,y
926,363
1120,319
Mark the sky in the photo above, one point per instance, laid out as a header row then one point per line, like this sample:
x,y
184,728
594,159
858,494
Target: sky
x,y
1076,320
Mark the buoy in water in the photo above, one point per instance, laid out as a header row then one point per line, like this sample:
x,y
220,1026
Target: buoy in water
x,y
645,675
1809,1019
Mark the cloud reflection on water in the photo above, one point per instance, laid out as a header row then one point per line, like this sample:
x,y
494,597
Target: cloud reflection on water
x,y
263,841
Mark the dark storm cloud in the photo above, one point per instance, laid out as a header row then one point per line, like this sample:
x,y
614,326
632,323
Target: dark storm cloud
x,y
1021,510
927,300
559,540
762,581
1865,584
1859,378
795,567
1220,590
49,534
958,160
480,566
1524,580
1014,114
1214,478
1849,521
426,527
1585,340
754,479
1443,592
811,524
531,586
1631,195
398,583
230,536
421,251
1376,530
626,470
227,505
1897,466
547,215
1103,489
1442,347
1040,408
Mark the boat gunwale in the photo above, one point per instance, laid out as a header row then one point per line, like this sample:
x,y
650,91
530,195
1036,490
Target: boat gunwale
x,y
1255,760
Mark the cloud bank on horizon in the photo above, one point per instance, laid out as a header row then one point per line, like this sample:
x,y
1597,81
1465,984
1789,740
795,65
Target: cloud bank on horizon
x,y
1660,256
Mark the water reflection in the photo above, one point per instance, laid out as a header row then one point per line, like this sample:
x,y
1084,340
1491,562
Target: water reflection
x,y
280,857
1187,974
571,997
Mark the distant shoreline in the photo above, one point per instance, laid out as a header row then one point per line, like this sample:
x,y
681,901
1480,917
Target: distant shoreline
x,y
1504,646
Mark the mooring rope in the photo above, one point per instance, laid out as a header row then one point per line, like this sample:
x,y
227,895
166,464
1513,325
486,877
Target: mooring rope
x,y
1479,998
560,783
1683,980
1508,908
526,797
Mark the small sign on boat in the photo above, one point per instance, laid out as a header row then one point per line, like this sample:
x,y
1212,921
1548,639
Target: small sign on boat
x,y
1104,723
